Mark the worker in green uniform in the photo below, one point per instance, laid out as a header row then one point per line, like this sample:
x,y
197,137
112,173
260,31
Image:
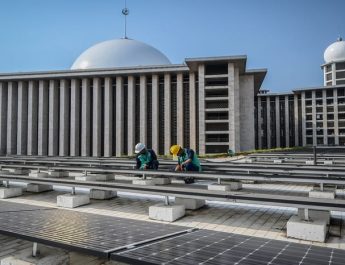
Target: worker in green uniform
x,y
187,160
146,158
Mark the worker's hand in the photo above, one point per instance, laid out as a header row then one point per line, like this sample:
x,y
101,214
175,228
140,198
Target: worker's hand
x,y
178,168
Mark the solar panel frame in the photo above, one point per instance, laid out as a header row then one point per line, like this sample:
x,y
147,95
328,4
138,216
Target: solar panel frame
x,y
226,248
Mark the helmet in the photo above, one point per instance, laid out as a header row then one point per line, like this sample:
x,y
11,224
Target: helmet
x,y
139,147
175,149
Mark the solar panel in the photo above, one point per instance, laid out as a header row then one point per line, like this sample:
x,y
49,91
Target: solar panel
x,y
84,232
205,247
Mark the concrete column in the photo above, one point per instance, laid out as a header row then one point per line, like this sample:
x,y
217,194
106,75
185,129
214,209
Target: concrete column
x,y
32,142
277,122
108,117
180,109
131,115
324,114
64,118
3,118
192,111
119,116
334,79
167,114
268,115
287,125
304,137
85,117
143,110
336,119
259,124
75,118
43,100
202,125
12,108
53,138
22,121
314,116
155,113
295,98
234,108
97,117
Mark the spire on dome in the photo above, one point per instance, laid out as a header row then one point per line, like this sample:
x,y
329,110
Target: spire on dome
x,y
125,12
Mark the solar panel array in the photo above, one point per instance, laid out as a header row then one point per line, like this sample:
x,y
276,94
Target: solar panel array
x,y
205,247
85,232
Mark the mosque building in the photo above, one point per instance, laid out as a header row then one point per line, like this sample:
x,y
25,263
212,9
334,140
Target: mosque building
x,y
312,116
120,92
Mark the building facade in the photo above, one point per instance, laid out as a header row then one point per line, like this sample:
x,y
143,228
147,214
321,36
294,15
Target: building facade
x,y
206,104
307,116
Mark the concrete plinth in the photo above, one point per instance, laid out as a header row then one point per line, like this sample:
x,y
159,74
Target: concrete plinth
x,y
123,177
10,192
177,181
316,214
249,160
72,201
327,193
31,187
94,177
38,174
328,162
190,204
85,178
102,194
75,174
315,230
47,256
161,181
144,182
309,162
16,171
57,174
168,213
225,187
278,161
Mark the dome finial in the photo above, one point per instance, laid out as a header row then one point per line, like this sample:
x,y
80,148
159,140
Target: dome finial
x,y
125,12
339,38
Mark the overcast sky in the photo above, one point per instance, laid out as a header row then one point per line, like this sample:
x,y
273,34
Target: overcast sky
x,y
288,37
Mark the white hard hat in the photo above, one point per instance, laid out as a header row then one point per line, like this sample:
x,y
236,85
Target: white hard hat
x,y
139,147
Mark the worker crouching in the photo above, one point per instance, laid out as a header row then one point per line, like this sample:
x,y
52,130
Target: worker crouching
x,y
146,158
187,160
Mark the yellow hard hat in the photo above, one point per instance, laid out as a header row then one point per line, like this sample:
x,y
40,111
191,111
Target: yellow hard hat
x,y
174,149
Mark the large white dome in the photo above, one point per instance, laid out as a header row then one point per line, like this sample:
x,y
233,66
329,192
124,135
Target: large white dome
x,y
335,52
119,53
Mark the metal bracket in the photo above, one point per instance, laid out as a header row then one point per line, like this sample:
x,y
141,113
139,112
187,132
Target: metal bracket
x,y
144,176
73,191
306,214
166,200
321,186
6,184
35,249
219,181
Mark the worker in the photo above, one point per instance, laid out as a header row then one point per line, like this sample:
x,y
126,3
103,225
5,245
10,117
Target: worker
x,y
146,158
187,160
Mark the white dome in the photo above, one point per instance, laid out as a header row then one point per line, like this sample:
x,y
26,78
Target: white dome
x,y
335,52
119,53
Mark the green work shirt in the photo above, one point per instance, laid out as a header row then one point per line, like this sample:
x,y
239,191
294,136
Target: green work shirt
x,y
189,154
144,159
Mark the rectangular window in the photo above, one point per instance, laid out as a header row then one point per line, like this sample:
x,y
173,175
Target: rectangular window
x,y
329,68
340,75
329,77
340,66
329,93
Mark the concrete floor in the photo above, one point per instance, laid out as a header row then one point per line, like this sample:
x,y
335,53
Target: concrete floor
x,y
251,220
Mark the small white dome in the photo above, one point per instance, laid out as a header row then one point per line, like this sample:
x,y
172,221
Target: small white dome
x,y
119,53
335,52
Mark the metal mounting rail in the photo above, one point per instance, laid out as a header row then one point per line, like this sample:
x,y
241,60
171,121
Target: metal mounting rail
x,y
192,192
